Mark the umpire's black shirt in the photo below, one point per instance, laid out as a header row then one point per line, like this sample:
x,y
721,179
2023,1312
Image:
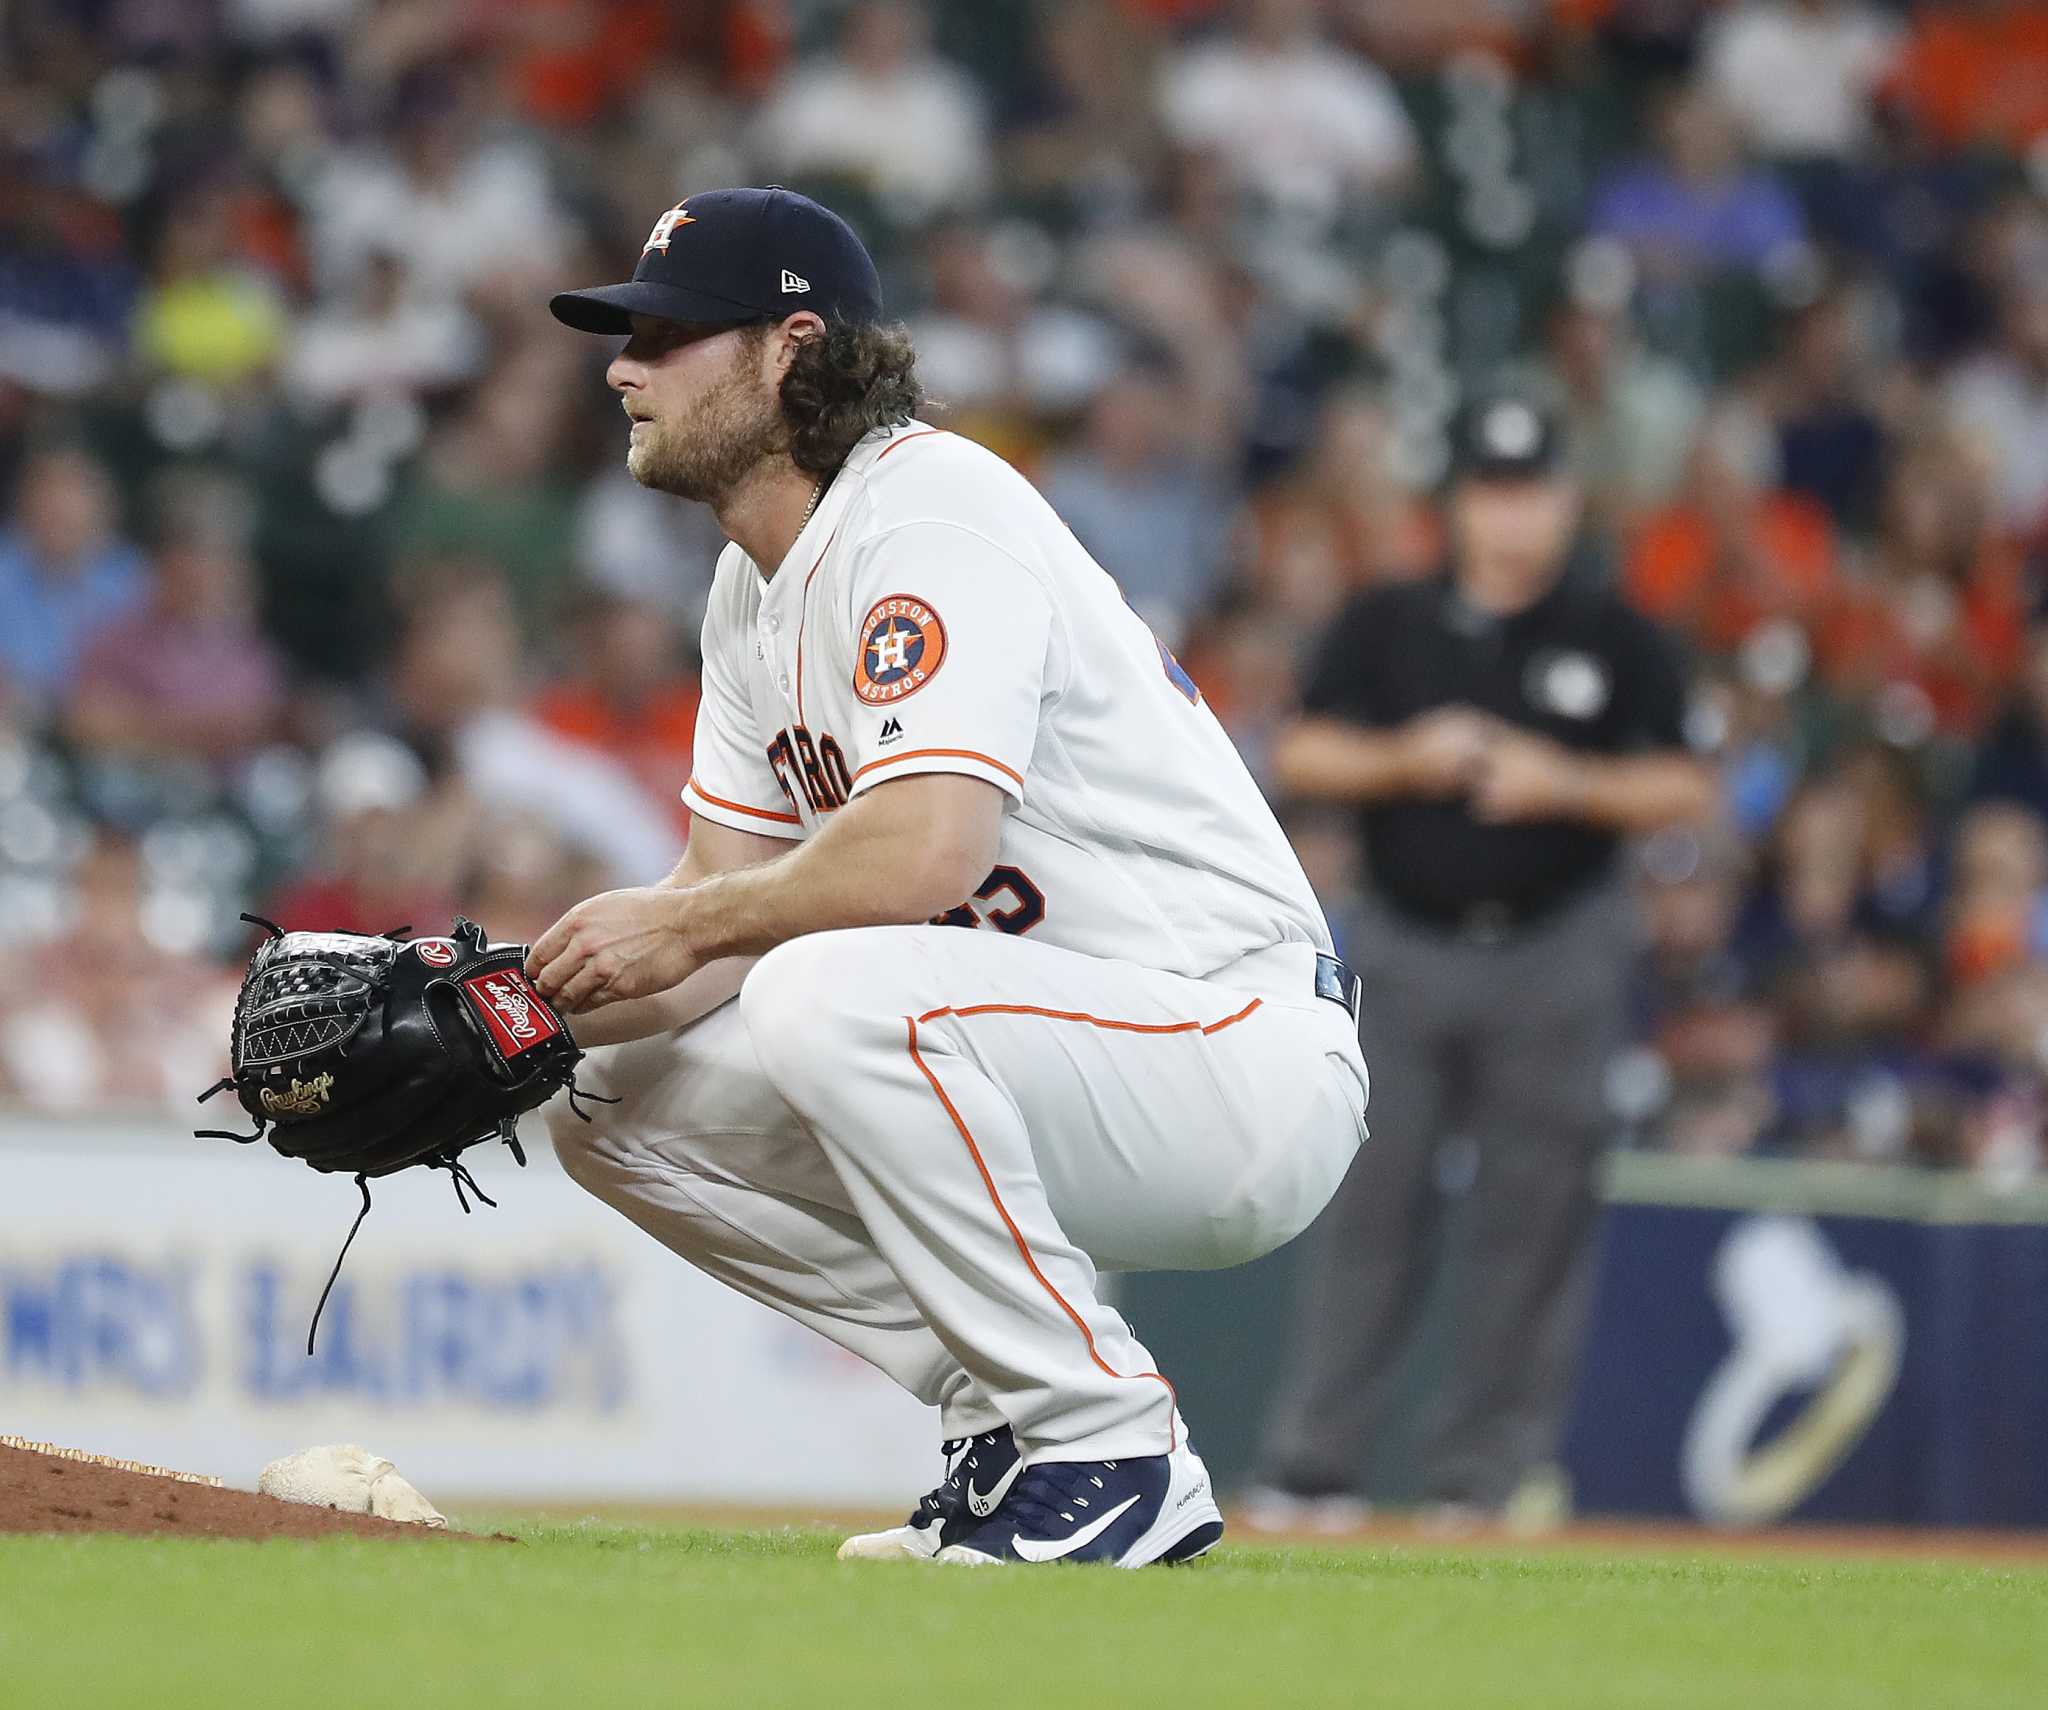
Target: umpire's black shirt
x,y
1579,666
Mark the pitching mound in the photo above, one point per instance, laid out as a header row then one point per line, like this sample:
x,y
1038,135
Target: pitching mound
x,y
44,1493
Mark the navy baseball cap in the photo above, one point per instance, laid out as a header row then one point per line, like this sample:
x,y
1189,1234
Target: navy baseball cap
x,y
726,257
1506,436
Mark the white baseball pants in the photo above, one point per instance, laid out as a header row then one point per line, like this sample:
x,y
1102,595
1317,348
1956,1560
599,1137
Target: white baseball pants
x,y
924,1142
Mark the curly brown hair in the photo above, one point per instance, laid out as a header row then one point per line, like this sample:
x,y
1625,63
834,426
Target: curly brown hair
x,y
843,384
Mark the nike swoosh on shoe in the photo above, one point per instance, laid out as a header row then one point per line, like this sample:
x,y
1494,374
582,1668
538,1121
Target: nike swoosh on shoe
x,y
1051,1549
983,1505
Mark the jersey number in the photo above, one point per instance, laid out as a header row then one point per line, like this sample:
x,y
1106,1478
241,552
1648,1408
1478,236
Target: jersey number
x,y
1025,909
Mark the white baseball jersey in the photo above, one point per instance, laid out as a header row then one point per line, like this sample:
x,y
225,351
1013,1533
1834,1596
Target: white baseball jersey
x,y
935,615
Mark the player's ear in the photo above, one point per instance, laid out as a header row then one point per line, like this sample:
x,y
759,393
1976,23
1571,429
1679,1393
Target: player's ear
x,y
792,334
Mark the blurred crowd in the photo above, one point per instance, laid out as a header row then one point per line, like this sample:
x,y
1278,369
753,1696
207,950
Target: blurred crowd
x,y
324,593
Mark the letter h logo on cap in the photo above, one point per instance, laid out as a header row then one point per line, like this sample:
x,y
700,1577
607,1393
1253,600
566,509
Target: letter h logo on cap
x,y
664,228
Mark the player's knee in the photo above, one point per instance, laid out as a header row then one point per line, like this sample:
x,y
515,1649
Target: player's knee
x,y
788,1005
806,1004
581,1147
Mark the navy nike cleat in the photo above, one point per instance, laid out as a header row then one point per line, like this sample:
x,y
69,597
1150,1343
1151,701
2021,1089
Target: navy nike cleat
x,y
979,1473
1132,1513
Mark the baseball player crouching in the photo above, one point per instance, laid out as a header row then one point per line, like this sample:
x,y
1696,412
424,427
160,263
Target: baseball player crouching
x,y
1041,990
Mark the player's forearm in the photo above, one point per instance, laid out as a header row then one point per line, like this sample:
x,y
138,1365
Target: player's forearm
x,y
902,853
1323,760
896,856
715,848
1634,794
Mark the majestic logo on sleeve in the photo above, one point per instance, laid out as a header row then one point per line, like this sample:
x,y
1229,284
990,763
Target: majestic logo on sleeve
x,y
902,646
664,228
511,1009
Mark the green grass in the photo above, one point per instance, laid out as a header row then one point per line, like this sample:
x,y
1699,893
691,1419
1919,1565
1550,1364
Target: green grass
x,y
603,1615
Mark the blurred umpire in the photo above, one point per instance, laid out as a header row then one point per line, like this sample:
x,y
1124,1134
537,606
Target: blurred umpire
x,y
1501,728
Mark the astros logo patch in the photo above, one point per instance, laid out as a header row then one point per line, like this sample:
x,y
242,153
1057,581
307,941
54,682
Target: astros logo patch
x,y
902,646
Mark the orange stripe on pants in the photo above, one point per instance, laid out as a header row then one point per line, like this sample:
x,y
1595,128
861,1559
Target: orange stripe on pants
x,y
988,1181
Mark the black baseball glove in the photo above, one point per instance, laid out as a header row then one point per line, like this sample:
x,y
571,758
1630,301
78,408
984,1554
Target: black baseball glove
x,y
364,1056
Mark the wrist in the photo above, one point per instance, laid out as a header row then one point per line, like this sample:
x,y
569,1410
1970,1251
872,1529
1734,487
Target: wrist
x,y
689,918
1411,776
721,915
1576,785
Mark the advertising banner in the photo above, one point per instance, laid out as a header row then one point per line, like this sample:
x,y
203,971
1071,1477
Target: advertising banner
x,y
1767,1341
155,1293
1856,1362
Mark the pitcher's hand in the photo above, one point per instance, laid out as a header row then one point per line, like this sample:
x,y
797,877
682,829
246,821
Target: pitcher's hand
x,y
621,944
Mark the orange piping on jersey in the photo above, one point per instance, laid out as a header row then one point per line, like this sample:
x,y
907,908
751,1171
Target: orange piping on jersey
x,y
803,612
740,807
941,753
988,1182
1218,1026
905,440
1093,1020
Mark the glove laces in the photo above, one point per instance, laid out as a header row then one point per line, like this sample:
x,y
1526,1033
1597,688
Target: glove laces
x,y
227,1084
458,1175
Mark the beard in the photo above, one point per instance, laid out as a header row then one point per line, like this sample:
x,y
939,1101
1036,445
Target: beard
x,y
706,450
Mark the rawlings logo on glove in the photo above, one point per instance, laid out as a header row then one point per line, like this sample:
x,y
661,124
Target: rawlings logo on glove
x,y
302,1098
517,1016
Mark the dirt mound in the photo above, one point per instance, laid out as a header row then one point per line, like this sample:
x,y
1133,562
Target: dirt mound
x,y
42,1493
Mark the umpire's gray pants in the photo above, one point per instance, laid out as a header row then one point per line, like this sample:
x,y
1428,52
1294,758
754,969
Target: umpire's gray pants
x,y
1505,1045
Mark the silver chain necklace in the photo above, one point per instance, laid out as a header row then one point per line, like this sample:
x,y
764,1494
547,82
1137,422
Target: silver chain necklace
x,y
817,492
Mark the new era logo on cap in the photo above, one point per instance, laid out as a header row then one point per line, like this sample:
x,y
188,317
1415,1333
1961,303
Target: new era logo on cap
x,y
793,282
